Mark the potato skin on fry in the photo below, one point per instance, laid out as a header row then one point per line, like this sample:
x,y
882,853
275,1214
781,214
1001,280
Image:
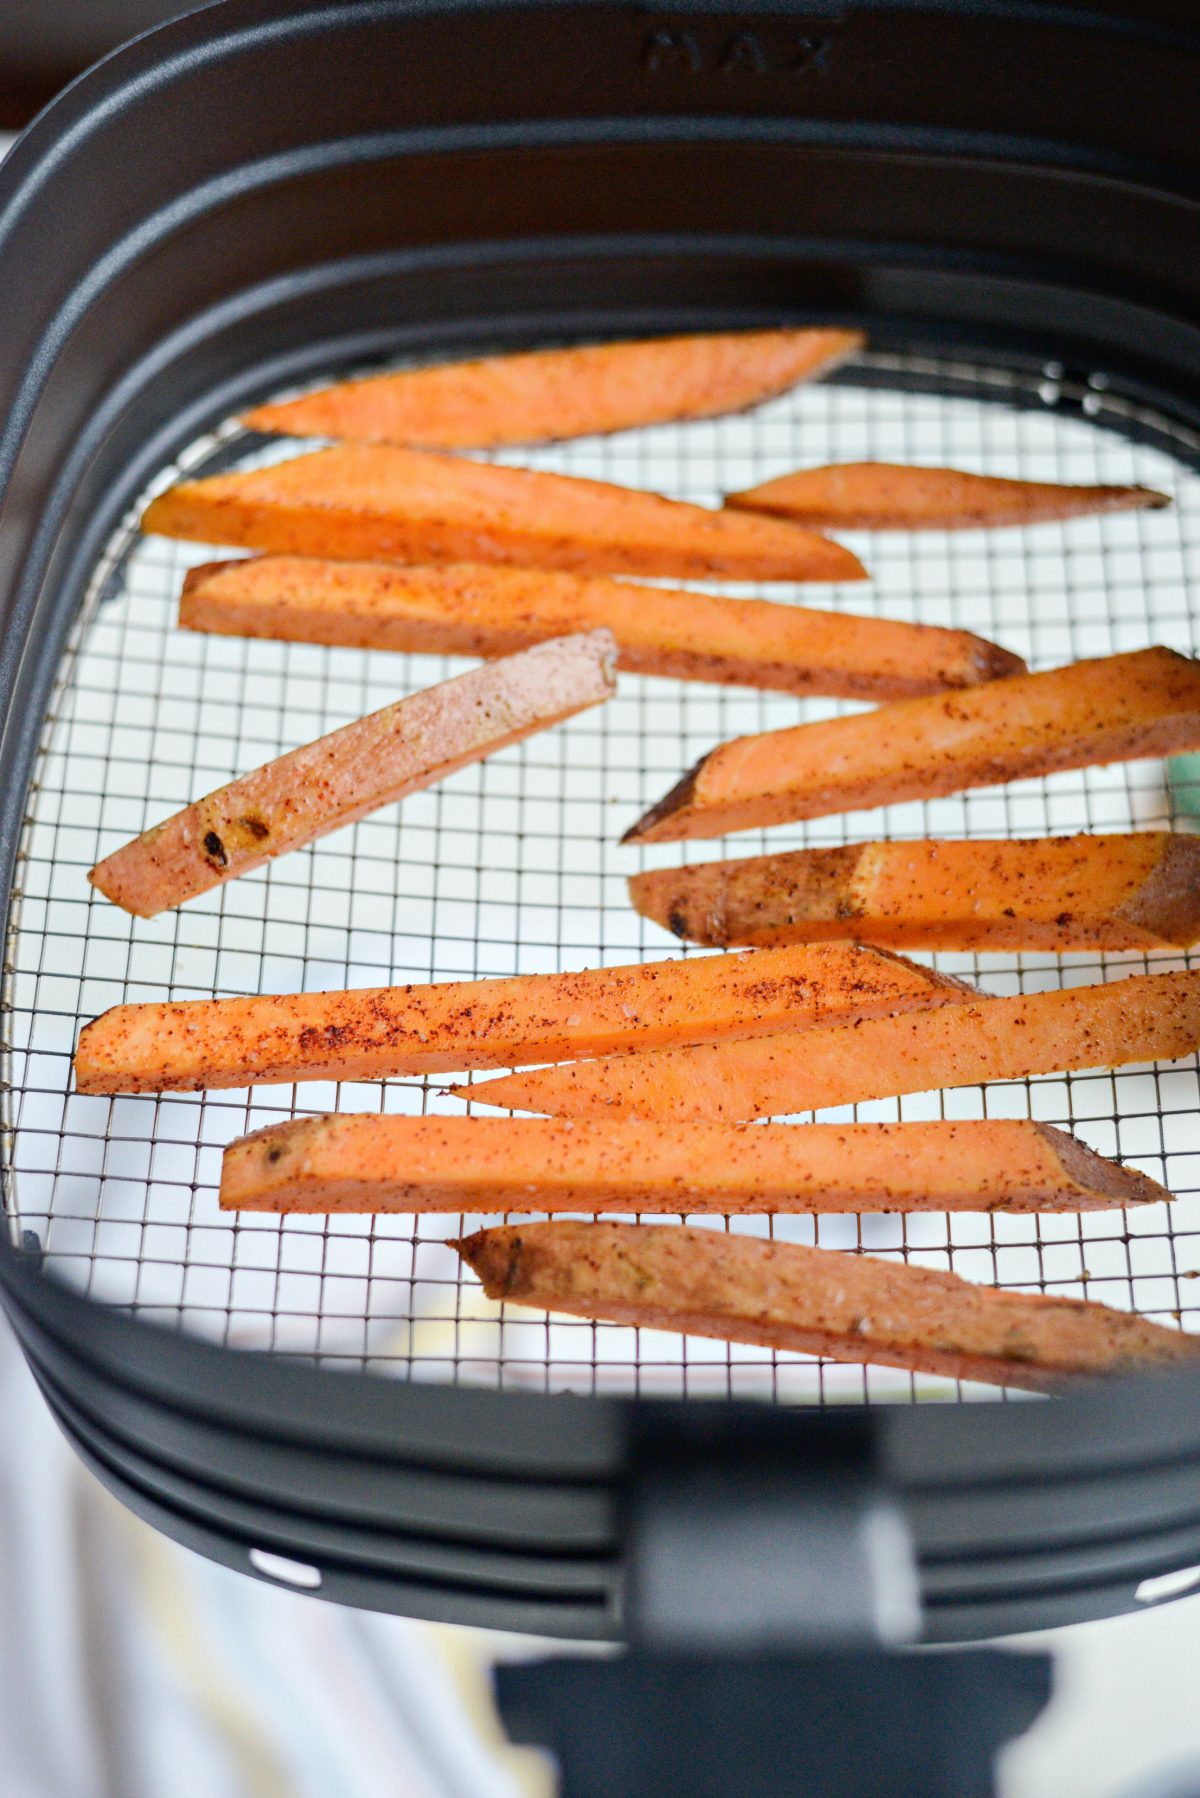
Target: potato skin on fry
x,y
1148,1017
379,503
547,396
814,1301
1113,709
881,496
354,771
1058,894
472,608
371,1033
384,1164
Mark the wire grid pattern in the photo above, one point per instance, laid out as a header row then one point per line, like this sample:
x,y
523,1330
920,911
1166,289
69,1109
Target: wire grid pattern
x,y
514,865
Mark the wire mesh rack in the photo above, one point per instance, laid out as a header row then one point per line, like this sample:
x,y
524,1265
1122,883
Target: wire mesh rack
x,y
514,866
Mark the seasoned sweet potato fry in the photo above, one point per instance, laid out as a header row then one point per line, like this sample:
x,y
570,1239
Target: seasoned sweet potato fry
x,y
880,496
368,1034
545,396
1148,1017
368,1163
401,505
372,762
467,608
1114,709
814,1301
1140,891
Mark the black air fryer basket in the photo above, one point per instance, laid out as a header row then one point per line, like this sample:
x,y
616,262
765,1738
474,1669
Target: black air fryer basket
x,y
269,192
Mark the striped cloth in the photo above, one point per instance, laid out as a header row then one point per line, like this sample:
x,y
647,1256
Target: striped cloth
x,y
132,1668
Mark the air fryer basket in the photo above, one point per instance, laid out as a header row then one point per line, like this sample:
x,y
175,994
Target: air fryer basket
x,y
265,192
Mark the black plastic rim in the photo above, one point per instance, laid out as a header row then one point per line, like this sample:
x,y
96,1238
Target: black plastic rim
x,y
316,183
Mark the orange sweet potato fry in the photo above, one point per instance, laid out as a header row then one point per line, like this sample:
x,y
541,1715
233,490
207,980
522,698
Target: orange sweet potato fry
x,y
400,505
369,1034
1148,1017
1140,891
880,496
466,608
372,762
814,1301
1114,709
369,1163
545,396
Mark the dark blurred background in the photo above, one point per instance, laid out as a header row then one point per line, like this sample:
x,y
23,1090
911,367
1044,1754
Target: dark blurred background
x,y
46,43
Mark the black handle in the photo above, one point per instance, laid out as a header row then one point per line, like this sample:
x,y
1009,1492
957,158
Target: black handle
x,y
815,1725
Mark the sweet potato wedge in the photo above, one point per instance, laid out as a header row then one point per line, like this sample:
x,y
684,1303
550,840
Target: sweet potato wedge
x,y
401,505
1114,709
372,762
369,1163
369,1034
881,496
814,1301
1057,894
545,396
1148,1017
468,608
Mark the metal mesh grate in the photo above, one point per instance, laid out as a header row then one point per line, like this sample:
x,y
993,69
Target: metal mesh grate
x,y
513,866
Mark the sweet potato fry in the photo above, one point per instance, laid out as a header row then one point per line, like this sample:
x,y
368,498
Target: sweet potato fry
x,y
1148,1017
370,1163
1140,891
1114,709
881,496
369,1034
373,762
814,1301
466,608
401,505
546,396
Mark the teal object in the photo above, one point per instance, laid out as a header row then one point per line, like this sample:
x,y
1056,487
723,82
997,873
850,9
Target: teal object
x,y
1183,778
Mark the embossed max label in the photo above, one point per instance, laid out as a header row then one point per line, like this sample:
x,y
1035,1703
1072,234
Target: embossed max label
x,y
772,48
